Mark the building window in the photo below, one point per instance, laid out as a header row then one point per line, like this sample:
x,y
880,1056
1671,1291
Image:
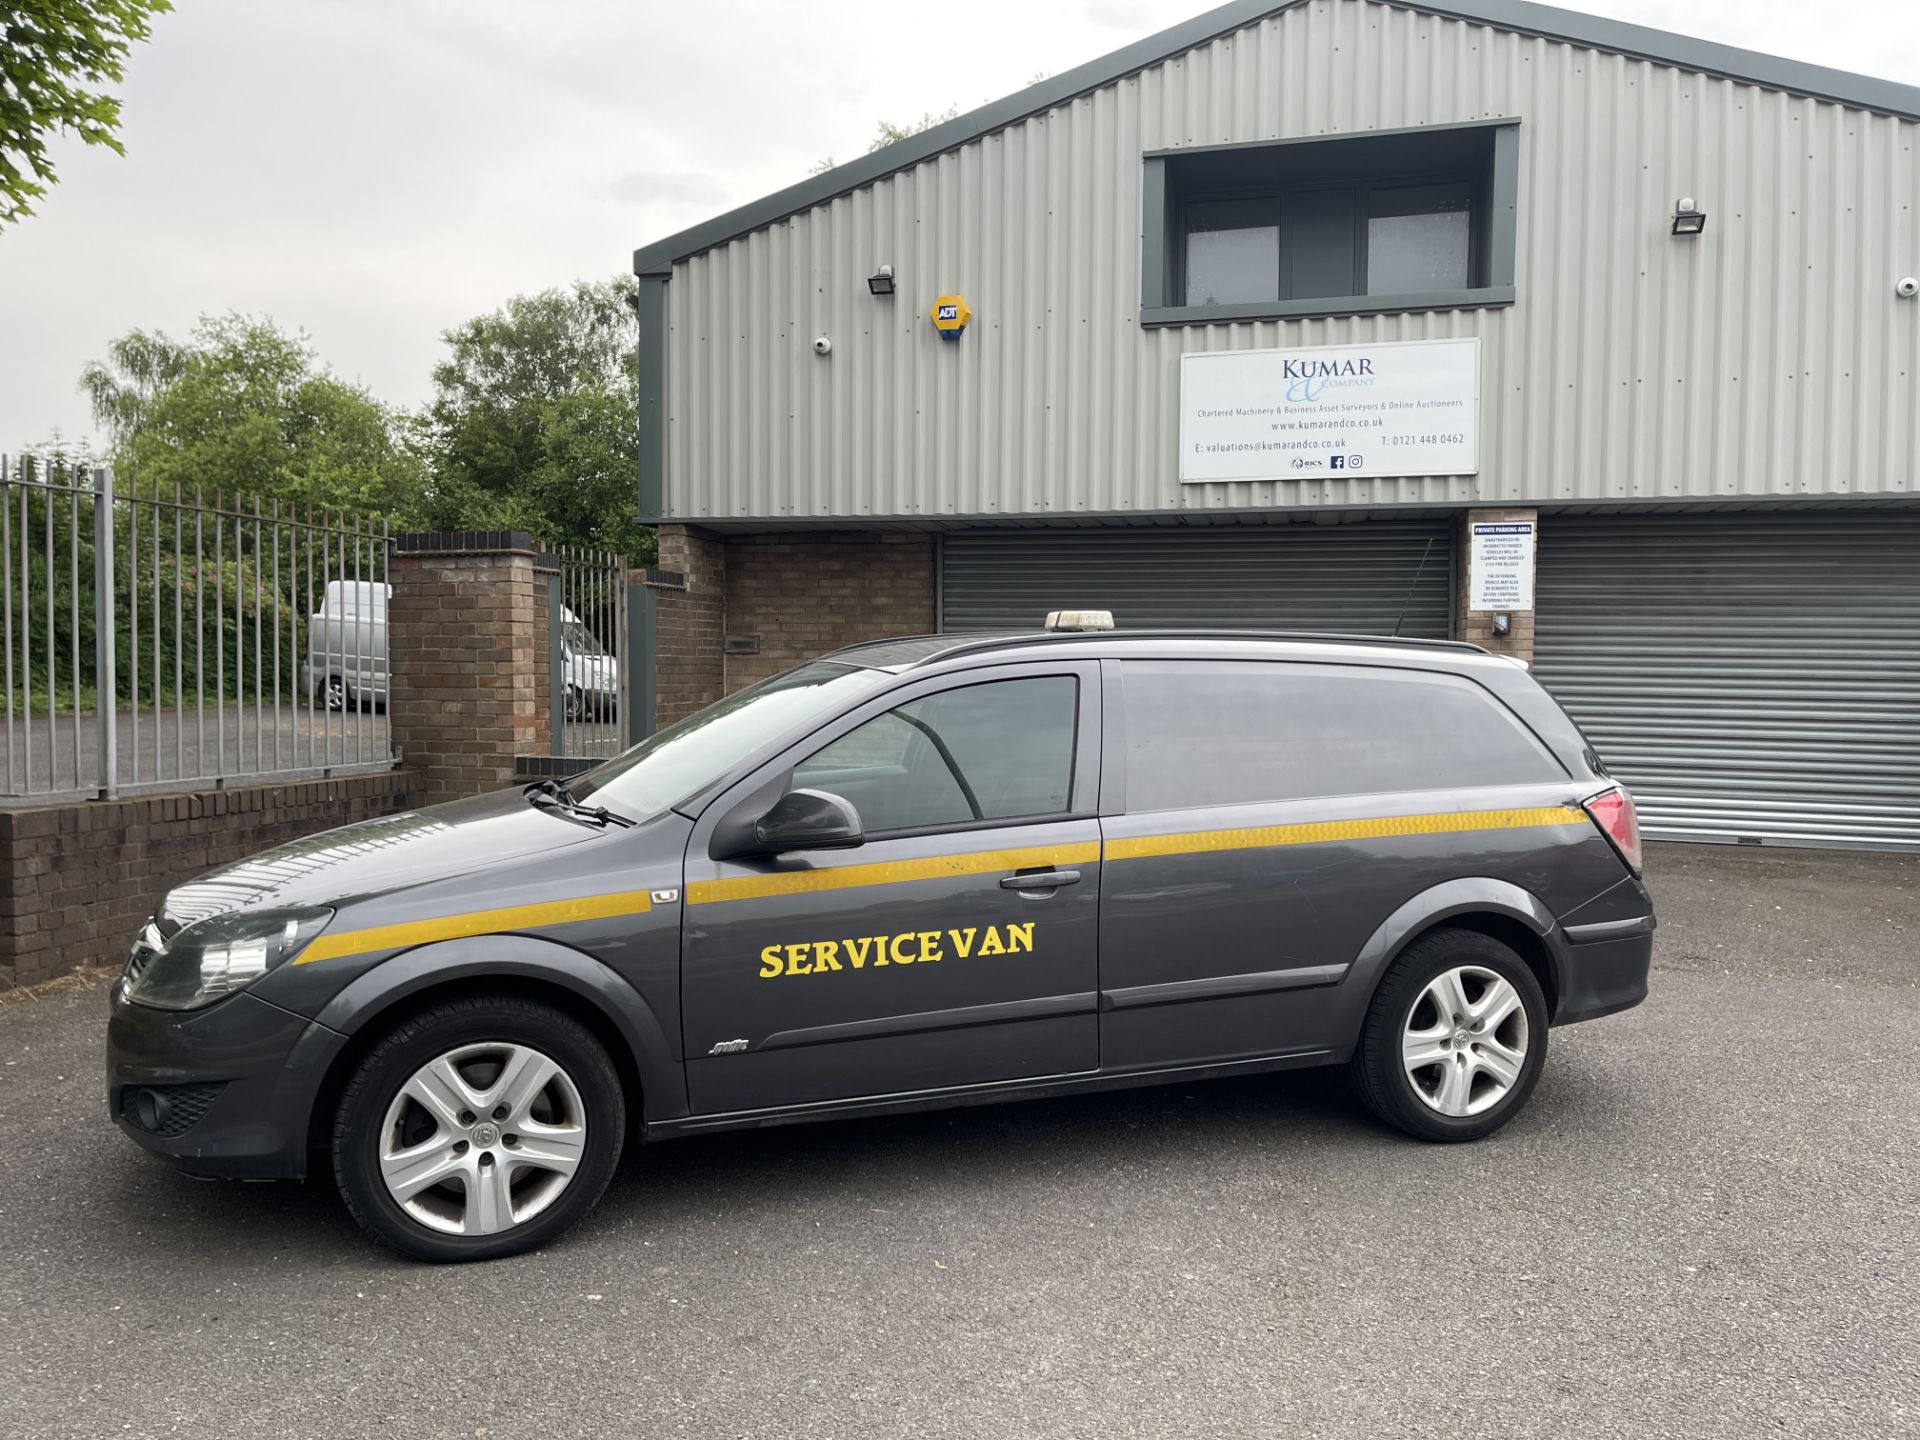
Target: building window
x,y
1233,251
1419,237
1411,220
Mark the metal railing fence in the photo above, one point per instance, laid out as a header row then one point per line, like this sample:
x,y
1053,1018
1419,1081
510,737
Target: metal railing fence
x,y
586,623
167,640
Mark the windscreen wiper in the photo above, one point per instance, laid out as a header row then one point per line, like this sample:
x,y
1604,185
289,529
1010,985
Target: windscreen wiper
x,y
552,795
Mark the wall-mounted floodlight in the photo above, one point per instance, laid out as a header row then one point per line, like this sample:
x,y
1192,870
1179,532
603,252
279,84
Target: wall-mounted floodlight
x,y
881,281
1688,217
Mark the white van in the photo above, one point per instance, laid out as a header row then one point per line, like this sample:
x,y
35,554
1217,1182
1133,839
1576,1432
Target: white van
x,y
592,675
346,664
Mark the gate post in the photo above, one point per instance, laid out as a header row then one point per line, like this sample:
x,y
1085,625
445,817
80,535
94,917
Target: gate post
x,y
105,704
549,655
640,669
643,640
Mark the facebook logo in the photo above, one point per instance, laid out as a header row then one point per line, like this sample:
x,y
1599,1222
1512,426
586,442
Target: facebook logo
x,y
1337,462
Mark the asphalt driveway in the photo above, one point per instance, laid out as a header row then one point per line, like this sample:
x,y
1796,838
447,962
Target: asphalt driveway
x,y
1707,1223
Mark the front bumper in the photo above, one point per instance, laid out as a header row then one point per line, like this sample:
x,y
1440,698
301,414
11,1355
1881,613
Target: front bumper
x,y
1606,968
227,1091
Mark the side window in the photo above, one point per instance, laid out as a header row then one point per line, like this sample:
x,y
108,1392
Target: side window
x,y
996,751
1208,733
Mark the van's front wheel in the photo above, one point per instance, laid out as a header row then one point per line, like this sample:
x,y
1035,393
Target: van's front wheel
x,y
1455,1038
477,1129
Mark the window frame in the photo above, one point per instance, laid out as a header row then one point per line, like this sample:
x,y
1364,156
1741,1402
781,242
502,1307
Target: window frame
x,y
1115,802
1492,242
1362,190
1084,784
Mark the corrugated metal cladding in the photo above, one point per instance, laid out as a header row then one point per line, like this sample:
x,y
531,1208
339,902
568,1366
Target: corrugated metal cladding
x,y
1748,676
1767,357
1346,579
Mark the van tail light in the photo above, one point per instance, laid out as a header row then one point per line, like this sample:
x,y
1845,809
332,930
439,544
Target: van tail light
x,y
1612,810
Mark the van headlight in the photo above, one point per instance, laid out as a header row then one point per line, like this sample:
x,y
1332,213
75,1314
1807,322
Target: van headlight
x,y
216,957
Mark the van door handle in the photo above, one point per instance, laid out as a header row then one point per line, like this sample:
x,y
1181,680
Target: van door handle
x,y
1041,880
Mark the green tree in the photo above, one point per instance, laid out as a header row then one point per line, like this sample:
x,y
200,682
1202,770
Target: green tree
x,y
138,368
533,420
246,409
54,57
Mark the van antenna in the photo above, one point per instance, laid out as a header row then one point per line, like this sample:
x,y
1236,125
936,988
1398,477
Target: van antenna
x,y
1407,604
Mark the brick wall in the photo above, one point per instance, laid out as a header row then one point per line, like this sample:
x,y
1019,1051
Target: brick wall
x,y
460,646
77,880
1477,625
805,594
801,593
688,668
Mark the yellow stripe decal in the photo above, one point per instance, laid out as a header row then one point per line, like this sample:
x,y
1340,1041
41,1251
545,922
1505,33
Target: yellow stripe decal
x,y
476,922
1200,842
933,867
888,872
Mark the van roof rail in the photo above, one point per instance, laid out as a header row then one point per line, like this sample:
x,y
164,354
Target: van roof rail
x,y
919,650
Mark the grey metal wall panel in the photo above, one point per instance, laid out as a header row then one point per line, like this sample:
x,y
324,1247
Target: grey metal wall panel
x,y
1769,357
1351,579
1747,675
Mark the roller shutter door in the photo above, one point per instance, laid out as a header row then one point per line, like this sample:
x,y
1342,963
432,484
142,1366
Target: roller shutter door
x,y
1752,677
1353,579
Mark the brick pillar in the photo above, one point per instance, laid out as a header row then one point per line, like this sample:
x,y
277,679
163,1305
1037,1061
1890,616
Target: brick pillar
x,y
460,649
1477,625
690,665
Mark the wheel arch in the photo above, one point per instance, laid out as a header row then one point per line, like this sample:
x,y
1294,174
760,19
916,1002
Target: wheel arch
x,y
617,1014
1496,908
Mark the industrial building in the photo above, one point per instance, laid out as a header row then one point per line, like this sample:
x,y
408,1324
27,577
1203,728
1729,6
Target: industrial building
x,y
1592,344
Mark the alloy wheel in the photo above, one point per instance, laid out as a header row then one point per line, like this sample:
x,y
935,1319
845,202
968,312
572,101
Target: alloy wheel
x,y
482,1139
1465,1040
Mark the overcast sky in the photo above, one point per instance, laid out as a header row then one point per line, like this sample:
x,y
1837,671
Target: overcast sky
x,y
375,171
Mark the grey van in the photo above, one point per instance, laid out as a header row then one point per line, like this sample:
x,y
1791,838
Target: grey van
x,y
915,873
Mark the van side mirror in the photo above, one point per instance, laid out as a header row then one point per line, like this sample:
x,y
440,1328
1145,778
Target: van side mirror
x,y
808,820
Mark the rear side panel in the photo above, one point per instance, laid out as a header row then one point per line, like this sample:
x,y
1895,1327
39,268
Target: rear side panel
x,y
1232,931
1275,830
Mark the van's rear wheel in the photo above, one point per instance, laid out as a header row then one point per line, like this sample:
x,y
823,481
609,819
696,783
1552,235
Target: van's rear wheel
x,y
1455,1038
477,1129
335,693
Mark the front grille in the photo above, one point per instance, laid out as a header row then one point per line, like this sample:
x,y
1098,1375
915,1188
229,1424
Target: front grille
x,y
184,1106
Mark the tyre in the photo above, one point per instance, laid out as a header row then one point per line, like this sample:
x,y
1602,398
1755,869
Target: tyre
x,y
1454,1040
479,1128
576,705
335,693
